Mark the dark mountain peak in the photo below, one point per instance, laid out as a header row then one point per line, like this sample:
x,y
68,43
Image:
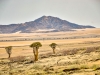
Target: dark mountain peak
x,y
42,23
48,17
44,16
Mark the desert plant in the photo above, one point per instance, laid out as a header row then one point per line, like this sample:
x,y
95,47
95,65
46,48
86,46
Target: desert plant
x,y
69,52
35,47
89,50
53,46
95,67
8,50
17,59
84,66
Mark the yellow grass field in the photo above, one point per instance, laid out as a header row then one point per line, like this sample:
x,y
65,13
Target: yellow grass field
x,y
61,42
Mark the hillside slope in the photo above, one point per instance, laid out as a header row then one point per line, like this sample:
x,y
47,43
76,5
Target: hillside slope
x,y
44,23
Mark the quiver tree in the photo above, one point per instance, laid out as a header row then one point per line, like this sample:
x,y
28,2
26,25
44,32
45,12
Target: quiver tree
x,y
8,50
35,47
53,46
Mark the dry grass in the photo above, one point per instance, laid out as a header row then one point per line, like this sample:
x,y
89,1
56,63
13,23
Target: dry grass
x,y
54,65
78,56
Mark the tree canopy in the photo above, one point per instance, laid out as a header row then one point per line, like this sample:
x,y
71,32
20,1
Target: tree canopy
x,y
36,44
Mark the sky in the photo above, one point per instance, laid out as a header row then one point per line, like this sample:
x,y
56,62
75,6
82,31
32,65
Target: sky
x,y
83,12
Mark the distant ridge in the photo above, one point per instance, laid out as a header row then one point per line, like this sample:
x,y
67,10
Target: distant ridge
x,y
42,24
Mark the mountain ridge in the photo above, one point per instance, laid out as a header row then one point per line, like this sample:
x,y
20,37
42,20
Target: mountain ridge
x,y
44,22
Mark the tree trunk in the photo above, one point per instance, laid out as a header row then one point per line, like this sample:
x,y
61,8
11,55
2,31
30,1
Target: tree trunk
x,y
9,55
36,56
54,51
33,50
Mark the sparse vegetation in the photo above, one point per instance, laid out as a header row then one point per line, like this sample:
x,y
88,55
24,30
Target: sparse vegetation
x,y
69,62
74,57
17,59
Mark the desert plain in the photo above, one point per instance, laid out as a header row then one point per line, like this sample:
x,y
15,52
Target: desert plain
x,y
77,53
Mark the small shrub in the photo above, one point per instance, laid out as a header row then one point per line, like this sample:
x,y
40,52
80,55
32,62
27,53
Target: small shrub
x,y
29,60
17,59
62,73
89,50
76,62
37,67
97,73
46,55
70,52
97,48
39,73
84,67
71,69
47,68
96,67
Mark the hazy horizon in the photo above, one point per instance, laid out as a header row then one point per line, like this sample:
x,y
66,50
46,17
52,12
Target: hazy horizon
x,y
82,12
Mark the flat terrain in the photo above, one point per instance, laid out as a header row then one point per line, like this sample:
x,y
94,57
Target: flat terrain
x,y
77,53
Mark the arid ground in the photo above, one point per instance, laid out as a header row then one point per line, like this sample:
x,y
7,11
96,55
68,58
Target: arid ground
x,y
77,53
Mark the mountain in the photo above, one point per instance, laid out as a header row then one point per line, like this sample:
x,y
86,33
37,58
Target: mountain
x,y
42,24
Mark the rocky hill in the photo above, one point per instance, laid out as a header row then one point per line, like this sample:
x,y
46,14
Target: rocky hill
x,y
42,24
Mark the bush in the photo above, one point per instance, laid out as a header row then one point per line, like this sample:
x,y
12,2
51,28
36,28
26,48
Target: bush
x,y
70,52
17,59
84,67
37,66
96,67
89,50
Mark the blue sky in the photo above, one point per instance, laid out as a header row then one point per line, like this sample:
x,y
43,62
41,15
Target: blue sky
x,y
84,12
